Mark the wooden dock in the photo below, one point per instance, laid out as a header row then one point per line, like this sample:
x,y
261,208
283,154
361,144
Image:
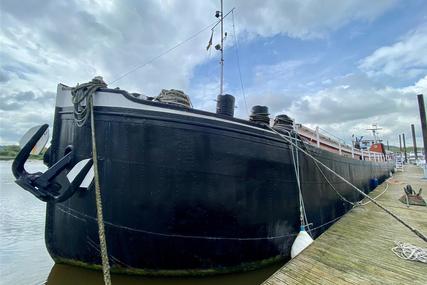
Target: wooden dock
x,y
357,249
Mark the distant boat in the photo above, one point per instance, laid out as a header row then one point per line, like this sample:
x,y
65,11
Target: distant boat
x,y
185,191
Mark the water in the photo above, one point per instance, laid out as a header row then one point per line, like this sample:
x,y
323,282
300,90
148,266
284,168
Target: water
x,y
25,260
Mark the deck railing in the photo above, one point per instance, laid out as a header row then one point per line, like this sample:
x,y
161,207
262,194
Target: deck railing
x,y
337,145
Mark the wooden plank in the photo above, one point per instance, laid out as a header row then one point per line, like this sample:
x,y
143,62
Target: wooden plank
x,y
357,248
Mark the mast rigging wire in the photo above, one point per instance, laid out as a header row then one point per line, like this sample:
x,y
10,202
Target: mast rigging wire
x,y
165,52
212,26
412,229
236,48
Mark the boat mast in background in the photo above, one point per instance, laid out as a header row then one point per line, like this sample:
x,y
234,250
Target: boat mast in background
x,y
414,141
374,130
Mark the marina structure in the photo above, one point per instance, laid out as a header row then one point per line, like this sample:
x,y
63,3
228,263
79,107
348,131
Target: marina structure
x,y
358,248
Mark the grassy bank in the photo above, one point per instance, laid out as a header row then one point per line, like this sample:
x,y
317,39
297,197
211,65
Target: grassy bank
x,y
9,152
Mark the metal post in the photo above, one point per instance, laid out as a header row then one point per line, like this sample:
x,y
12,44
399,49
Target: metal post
x,y
369,154
414,141
317,136
404,148
352,151
222,50
363,157
423,122
400,144
423,129
388,146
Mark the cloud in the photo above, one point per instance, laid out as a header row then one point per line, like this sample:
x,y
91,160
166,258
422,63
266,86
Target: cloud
x,y
4,76
49,42
89,38
305,19
355,102
22,110
405,58
284,70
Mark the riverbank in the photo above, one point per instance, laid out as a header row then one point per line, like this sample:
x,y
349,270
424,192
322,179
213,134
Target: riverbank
x,y
9,152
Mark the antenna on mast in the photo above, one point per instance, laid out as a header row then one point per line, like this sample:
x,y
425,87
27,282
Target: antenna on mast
x,y
220,47
221,13
222,50
375,130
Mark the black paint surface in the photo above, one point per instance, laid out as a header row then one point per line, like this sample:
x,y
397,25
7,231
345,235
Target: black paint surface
x,y
183,193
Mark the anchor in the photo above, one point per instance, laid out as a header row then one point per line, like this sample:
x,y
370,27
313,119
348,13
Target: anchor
x,y
54,184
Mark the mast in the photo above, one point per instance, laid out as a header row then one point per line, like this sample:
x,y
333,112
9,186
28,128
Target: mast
x,y
375,130
404,148
221,90
220,46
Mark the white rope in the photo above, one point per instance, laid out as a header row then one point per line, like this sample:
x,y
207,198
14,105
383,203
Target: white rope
x,y
333,187
408,251
303,215
375,198
236,45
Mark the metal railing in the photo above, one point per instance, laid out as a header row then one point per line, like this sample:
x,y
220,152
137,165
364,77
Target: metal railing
x,y
334,143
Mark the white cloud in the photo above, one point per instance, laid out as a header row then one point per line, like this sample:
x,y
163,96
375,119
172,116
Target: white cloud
x,y
351,110
406,58
305,19
53,41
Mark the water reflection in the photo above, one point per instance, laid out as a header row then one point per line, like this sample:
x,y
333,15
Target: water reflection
x,y
24,259
70,275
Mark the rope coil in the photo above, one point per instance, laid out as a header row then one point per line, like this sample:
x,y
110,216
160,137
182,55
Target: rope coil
x,y
174,97
410,252
81,95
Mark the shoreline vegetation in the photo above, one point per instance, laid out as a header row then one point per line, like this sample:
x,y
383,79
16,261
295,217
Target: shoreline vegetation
x,y
9,152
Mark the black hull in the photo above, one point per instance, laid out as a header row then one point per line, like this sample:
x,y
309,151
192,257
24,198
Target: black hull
x,y
188,195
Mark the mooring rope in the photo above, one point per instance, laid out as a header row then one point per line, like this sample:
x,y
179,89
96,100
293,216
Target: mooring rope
x,y
376,197
303,215
81,94
354,204
99,214
85,93
410,252
333,187
415,231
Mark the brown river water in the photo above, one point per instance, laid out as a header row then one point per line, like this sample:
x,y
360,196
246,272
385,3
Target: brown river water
x,y
24,259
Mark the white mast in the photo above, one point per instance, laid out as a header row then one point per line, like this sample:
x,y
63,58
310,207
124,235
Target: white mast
x,y
221,90
375,130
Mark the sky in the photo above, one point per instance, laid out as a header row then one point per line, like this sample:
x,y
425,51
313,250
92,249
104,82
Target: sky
x,y
339,65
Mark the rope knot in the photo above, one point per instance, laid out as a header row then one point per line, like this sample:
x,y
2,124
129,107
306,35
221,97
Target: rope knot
x,y
82,97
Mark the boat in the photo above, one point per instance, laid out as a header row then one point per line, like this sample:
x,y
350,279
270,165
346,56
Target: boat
x,y
186,191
